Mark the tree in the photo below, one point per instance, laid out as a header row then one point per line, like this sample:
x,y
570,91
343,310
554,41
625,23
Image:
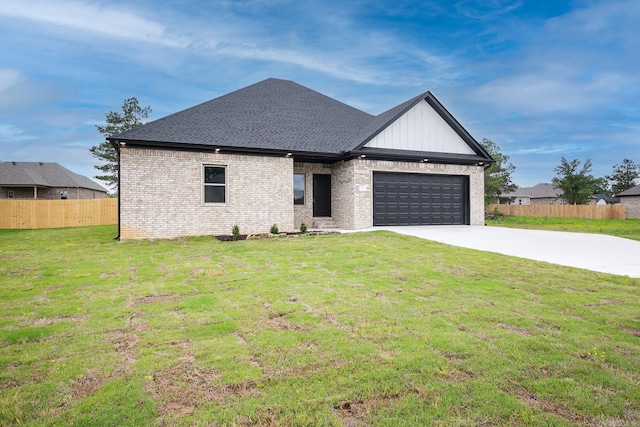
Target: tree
x,y
624,176
601,186
578,187
497,177
132,115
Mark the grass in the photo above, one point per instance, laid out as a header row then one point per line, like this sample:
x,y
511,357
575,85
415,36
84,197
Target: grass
x,y
366,329
629,228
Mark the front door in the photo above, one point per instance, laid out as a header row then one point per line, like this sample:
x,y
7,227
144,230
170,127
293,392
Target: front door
x,y
321,195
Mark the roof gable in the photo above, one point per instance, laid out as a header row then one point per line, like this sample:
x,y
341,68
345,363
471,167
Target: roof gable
x,y
420,128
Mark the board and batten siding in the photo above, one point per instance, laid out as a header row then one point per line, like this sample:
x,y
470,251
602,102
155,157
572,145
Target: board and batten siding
x,y
421,129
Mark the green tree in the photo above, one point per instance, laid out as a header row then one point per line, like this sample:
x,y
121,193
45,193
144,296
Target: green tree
x,y
578,186
132,115
497,177
601,186
624,176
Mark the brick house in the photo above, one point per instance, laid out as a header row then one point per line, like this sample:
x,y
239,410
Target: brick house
x,y
539,194
279,153
45,180
631,199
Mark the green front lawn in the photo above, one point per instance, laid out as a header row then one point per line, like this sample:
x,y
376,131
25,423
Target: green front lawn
x,y
361,329
627,228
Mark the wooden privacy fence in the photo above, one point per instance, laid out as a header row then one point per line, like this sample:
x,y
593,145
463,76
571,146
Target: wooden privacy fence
x,y
569,211
26,214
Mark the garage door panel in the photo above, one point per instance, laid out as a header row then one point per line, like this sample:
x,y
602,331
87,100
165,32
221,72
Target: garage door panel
x,y
420,199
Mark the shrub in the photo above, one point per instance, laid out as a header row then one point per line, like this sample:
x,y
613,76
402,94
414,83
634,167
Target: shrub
x,y
274,229
303,228
235,231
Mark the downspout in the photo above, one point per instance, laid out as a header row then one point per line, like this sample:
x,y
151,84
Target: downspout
x,y
117,147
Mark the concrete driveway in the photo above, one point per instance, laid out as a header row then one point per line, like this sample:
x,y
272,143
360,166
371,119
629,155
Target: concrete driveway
x,y
596,252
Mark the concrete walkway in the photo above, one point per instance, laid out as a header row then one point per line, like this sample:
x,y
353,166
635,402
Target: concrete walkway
x,y
596,252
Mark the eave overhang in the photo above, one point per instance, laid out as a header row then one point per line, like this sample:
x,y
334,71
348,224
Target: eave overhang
x,y
315,157
419,156
298,156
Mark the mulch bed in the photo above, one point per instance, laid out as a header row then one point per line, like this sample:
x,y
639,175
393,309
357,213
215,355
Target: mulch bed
x,y
232,238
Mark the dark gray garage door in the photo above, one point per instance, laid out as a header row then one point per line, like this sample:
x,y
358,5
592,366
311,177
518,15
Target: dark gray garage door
x,y
420,199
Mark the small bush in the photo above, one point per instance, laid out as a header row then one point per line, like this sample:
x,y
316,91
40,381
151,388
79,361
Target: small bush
x,y
274,229
303,228
235,231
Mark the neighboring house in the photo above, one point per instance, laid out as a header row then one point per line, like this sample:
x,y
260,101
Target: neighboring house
x,y
279,153
603,199
40,180
541,194
631,199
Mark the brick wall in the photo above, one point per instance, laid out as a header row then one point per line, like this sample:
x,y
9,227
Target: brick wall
x,y
363,185
162,194
632,204
304,213
352,189
51,193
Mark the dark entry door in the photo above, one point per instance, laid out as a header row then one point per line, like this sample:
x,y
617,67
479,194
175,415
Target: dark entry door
x,y
321,195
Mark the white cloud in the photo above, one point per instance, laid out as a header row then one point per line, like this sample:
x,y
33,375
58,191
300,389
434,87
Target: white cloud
x,y
484,9
548,92
8,79
93,18
10,133
576,63
18,92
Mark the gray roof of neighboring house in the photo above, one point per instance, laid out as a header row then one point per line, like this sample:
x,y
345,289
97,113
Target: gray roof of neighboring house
x,y
279,115
605,197
41,174
539,191
633,191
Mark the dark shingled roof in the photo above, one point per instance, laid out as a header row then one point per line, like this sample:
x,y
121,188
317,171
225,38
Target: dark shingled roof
x,y
40,174
280,115
272,114
633,191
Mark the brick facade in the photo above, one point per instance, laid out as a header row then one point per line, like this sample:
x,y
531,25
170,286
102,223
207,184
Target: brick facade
x,y
46,193
162,194
352,189
632,205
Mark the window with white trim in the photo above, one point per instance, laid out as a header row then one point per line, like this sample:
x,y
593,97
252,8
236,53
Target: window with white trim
x,y
215,184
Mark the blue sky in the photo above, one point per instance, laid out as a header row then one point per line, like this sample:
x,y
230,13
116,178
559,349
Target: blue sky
x,y
542,79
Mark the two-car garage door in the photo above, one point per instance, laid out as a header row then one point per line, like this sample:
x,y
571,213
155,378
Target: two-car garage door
x,y
420,199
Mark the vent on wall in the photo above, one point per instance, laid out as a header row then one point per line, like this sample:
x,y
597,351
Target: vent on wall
x,y
297,164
